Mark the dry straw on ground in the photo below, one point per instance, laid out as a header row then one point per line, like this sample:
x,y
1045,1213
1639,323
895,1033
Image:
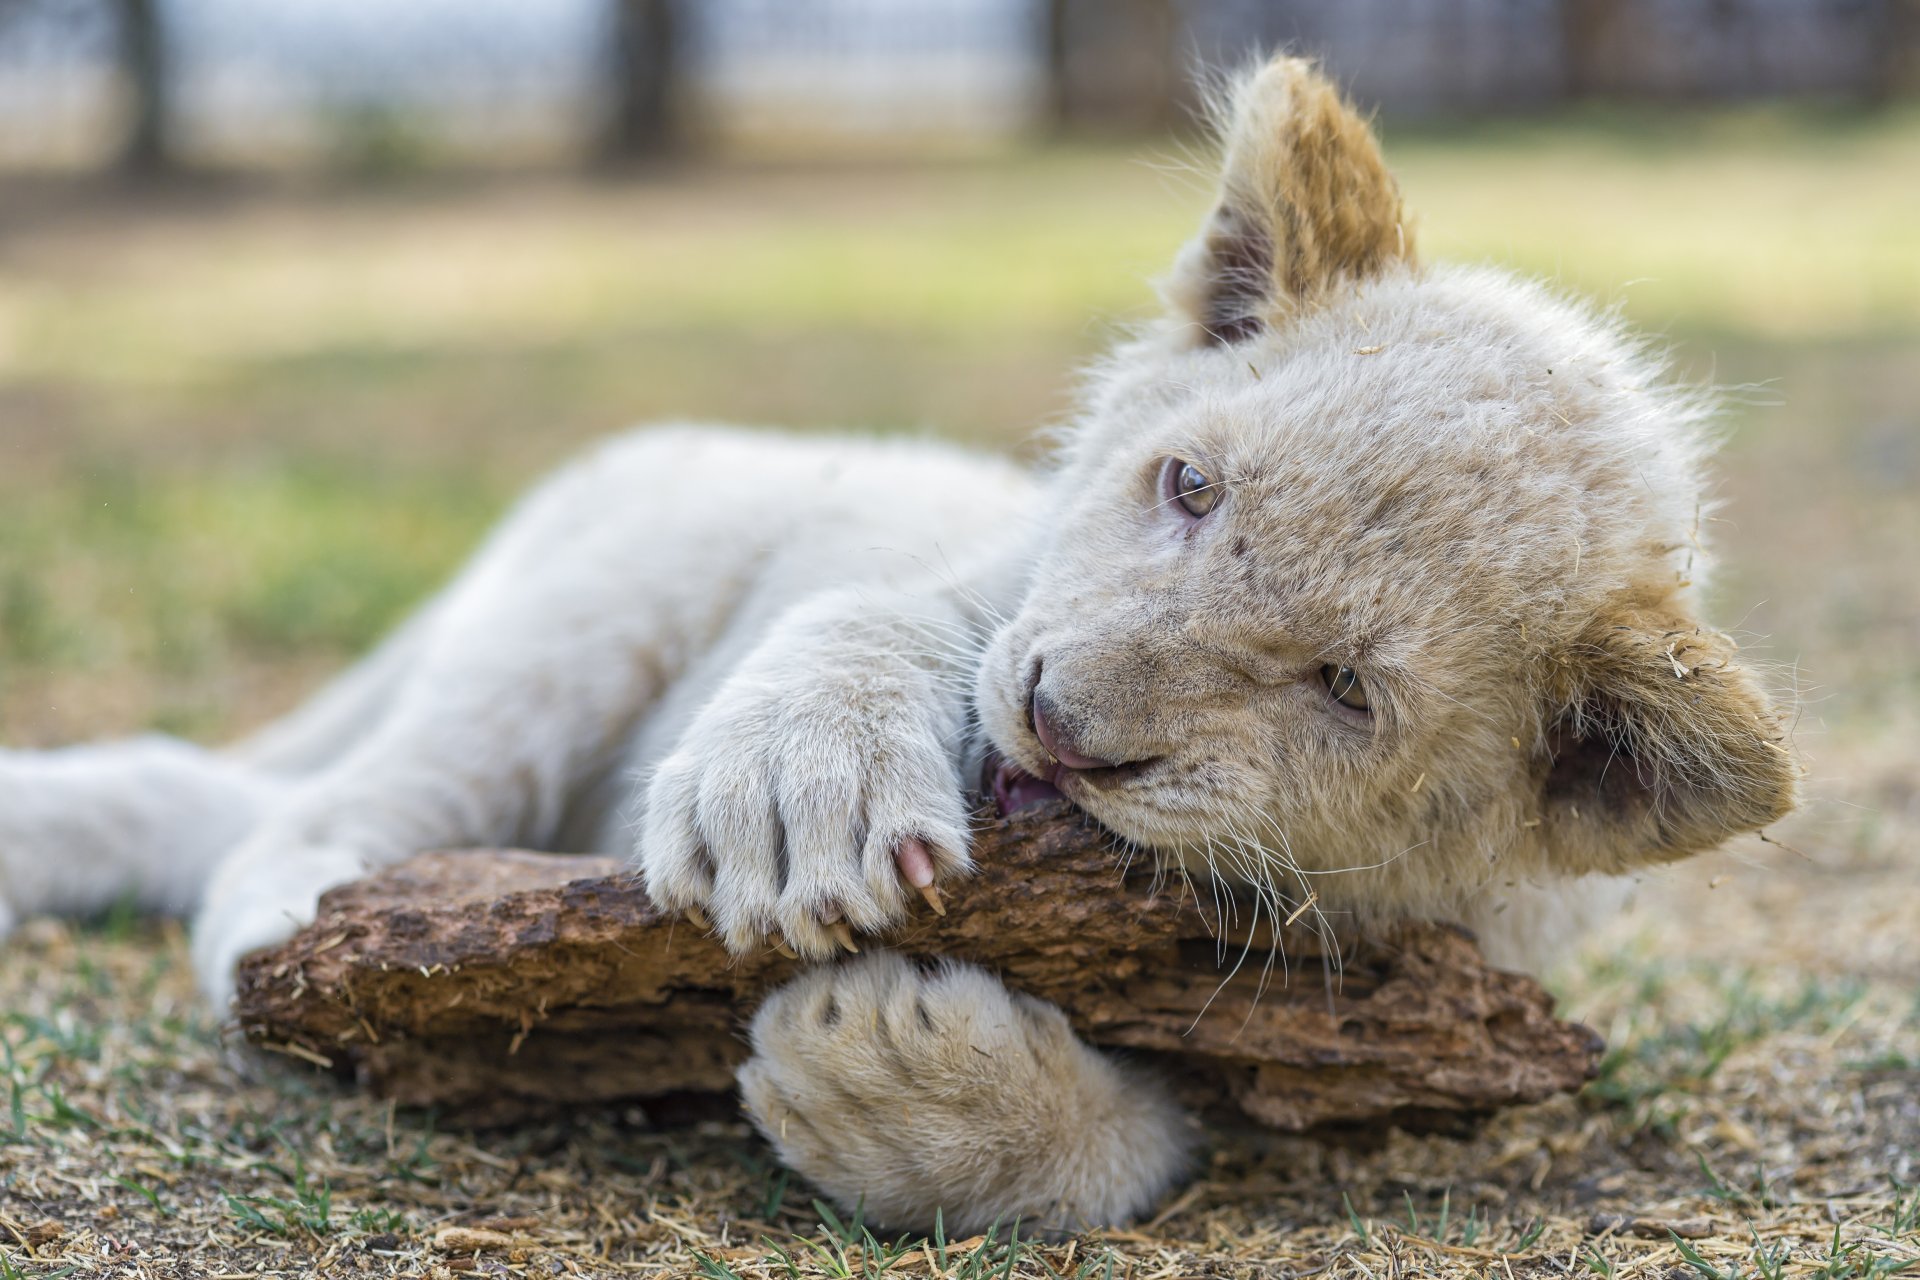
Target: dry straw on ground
x,y
1759,1114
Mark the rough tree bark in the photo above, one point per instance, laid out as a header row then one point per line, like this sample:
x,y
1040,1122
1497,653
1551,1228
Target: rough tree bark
x,y
500,983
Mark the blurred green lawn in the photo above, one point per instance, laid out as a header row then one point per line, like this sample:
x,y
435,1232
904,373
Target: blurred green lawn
x,y
242,429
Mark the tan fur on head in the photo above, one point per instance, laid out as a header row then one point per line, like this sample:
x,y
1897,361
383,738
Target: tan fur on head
x,y
1306,203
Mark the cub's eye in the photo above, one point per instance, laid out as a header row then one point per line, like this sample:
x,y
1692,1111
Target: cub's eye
x,y
1344,687
1189,486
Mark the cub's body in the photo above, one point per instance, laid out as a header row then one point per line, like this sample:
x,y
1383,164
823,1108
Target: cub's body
x,y
678,547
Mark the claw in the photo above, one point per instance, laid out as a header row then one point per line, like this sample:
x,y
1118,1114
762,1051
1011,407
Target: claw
x,y
780,945
699,919
843,935
915,862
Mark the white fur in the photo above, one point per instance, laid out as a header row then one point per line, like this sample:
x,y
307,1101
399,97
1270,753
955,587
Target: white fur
x,y
145,820
900,1090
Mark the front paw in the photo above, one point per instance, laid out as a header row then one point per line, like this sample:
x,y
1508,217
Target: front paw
x,y
908,1090
260,897
795,813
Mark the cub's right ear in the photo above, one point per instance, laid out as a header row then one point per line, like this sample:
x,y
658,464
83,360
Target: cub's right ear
x,y
1660,745
1306,202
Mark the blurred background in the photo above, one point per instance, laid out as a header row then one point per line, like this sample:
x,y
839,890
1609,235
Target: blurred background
x,y
294,297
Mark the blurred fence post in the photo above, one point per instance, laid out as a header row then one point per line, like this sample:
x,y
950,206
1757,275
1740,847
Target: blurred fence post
x,y
645,123
146,149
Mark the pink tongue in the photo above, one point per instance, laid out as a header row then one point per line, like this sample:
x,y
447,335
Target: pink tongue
x,y
1015,789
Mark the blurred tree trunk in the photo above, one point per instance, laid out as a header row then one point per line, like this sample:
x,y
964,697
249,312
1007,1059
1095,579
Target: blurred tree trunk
x,y
1113,64
142,52
1586,30
645,123
1056,40
1896,70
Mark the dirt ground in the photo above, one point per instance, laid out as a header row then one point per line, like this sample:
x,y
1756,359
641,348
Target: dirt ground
x,y
240,429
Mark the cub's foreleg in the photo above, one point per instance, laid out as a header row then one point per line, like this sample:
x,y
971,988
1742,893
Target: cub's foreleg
x,y
904,1090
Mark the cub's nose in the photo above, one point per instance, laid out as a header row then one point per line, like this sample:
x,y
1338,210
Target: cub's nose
x,y
1046,727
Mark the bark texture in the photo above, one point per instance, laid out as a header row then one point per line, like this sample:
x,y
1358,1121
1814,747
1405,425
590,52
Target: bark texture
x,y
500,983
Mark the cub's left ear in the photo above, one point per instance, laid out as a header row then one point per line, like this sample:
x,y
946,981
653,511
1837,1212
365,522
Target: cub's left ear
x,y
1305,203
1663,746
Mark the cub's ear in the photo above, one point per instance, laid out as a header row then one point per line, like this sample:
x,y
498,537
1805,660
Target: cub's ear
x,y
1305,203
1661,746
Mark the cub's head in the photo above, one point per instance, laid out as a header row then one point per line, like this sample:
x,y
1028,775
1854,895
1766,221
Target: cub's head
x,y
1361,566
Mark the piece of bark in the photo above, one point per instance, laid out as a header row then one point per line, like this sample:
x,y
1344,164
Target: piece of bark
x,y
499,983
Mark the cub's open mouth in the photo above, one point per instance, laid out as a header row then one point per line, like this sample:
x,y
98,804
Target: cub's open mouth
x,y
1015,789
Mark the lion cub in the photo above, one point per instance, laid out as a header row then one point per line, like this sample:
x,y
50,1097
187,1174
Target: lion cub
x,y
1356,581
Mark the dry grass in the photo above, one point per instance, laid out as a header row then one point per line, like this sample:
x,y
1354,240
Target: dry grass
x,y
1766,1111
241,433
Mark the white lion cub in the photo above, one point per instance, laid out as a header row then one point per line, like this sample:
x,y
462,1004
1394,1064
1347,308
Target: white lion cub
x,y
1355,577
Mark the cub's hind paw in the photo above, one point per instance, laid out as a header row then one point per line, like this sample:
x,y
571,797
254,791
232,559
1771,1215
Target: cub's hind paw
x,y
906,1089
